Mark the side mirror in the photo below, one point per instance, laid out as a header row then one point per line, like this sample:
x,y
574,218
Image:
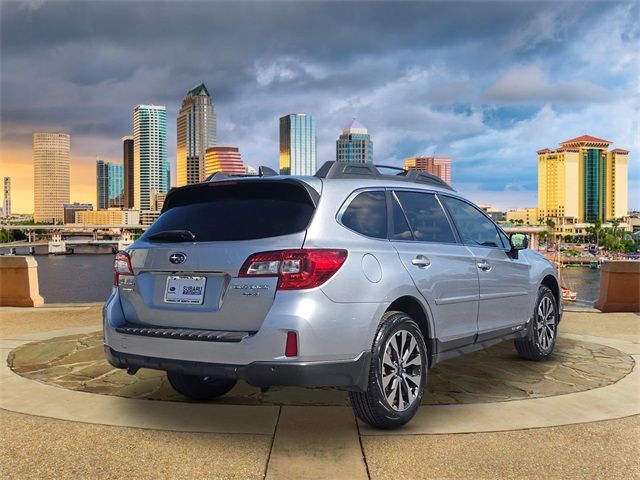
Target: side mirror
x,y
519,241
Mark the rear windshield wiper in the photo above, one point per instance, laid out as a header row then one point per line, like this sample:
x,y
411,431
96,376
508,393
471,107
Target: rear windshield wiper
x,y
172,236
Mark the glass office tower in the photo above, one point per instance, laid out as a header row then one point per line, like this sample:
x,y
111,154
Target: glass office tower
x,y
150,165
298,144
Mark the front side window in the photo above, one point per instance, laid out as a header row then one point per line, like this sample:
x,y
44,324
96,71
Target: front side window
x,y
427,219
367,214
475,228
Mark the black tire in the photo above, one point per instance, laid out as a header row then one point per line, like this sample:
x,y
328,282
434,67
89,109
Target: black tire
x,y
373,406
199,388
541,335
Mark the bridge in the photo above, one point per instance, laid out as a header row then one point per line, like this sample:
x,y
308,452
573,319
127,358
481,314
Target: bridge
x,y
60,244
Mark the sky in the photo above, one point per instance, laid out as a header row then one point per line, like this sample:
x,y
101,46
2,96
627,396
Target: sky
x,y
486,83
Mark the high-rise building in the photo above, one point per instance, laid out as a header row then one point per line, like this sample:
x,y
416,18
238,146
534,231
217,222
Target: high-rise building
x,y
439,166
583,181
196,129
127,162
51,157
298,144
150,165
6,204
70,210
354,144
223,159
109,185
116,185
102,185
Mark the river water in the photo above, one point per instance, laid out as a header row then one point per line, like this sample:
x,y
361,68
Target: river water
x,y
87,278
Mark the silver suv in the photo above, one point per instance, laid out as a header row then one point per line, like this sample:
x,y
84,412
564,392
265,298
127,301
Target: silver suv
x,y
350,279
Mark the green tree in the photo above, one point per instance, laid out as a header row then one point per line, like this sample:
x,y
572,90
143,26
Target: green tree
x,y
5,235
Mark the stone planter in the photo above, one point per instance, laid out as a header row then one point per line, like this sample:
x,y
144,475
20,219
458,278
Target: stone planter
x,y
19,282
619,287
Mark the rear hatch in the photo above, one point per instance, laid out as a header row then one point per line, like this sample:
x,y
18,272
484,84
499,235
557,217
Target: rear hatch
x,y
186,264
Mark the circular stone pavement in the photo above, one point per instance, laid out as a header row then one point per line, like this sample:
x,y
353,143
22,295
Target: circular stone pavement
x,y
497,374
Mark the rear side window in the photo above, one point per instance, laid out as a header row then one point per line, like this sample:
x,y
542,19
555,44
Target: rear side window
x,y
367,214
427,219
474,226
236,211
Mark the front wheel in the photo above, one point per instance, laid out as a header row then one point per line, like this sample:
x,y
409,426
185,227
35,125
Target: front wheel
x,y
541,337
199,388
397,375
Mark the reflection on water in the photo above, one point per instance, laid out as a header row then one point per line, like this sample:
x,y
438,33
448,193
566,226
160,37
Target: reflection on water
x,y
583,280
75,278
87,278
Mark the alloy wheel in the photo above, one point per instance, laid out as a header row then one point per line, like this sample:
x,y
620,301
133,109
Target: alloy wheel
x,y
546,323
401,370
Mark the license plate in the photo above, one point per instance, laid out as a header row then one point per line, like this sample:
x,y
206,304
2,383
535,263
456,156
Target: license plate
x,y
182,289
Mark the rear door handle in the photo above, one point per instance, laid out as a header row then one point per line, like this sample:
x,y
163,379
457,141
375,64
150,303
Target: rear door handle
x,y
484,265
421,261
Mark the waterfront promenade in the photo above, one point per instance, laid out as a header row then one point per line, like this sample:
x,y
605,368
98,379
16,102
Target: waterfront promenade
x,y
66,414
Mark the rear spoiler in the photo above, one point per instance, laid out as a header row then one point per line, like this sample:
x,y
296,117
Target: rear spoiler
x,y
314,196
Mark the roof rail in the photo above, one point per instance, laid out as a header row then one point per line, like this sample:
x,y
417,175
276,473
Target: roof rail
x,y
335,169
220,176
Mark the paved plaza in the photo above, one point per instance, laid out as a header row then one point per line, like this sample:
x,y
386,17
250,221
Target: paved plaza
x,y
66,413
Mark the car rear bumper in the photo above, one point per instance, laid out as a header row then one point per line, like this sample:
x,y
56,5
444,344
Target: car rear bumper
x,y
346,374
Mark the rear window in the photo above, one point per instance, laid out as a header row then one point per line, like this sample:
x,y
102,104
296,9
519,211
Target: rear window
x,y
236,211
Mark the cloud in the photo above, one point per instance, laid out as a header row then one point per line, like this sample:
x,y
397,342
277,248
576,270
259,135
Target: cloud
x,y
485,82
530,84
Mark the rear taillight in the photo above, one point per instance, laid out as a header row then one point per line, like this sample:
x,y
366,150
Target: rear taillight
x,y
121,266
296,269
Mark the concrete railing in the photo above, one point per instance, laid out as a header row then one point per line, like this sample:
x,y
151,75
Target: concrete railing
x,y
619,287
19,282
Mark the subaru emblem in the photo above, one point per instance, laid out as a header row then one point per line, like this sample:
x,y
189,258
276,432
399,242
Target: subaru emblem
x,y
177,258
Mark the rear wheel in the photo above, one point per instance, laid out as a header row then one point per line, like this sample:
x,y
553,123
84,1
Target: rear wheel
x,y
199,388
541,337
397,374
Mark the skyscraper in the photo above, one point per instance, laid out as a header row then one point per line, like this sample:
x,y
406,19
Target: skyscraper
x,y
109,185
116,185
298,144
6,205
127,162
196,130
583,181
439,166
51,156
150,165
354,144
223,159
102,185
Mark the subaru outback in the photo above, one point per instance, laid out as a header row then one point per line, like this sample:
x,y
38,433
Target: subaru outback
x,y
351,278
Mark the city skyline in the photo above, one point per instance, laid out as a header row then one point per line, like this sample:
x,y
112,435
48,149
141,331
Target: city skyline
x,y
533,79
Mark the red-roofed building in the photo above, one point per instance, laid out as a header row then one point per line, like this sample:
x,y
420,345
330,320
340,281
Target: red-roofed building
x,y
585,139
581,181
